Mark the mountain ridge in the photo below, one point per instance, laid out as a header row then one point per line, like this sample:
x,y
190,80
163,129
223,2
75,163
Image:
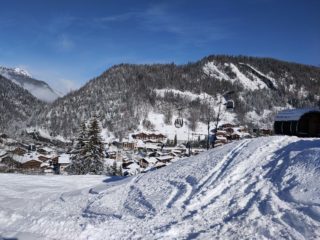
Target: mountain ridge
x,y
17,106
39,89
124,94
127,96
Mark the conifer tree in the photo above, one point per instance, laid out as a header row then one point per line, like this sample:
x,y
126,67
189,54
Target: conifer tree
x,y
94,149
78,151
114,168
175,140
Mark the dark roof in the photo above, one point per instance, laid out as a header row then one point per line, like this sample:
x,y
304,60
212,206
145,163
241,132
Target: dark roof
x,y
294,114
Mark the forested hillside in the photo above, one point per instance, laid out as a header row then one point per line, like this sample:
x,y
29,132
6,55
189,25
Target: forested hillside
x,y
123,95
17,106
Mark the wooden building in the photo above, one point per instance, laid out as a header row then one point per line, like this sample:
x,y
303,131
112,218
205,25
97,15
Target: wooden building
x,y
19,151
31,164
128,145
298,122
154,137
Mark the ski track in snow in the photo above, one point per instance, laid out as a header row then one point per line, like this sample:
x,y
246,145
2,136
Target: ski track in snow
x,y
251,189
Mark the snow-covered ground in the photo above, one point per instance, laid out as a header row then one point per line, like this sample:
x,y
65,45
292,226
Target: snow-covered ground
x,y
264,188
184,133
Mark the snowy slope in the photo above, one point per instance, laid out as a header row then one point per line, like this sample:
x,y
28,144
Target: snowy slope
x,y
185,133
265,188
39,89
212,69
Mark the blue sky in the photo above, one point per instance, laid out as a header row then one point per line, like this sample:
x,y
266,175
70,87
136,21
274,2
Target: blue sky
x,y
66,43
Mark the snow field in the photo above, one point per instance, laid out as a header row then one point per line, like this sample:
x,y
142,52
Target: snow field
x,y
264,188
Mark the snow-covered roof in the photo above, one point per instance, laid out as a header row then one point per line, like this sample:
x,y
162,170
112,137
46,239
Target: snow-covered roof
x,y
140,144
64,158
151,146
151,160
44,165
146,132
221,138
294,114
26,157
133,169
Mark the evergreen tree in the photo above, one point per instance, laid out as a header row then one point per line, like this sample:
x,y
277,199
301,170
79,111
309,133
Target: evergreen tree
x,y
88,152
175,141
114,168
94,149
78,151
120,171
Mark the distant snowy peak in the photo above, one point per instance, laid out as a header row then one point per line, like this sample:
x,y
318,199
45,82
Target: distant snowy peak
x,y
39,89
22,72
251,79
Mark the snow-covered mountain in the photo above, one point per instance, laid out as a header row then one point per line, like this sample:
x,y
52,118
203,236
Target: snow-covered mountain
x,y
39,89
263,188
127,95
17,105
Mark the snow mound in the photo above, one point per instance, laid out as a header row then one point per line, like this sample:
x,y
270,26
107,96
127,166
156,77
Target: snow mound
x,y
264,188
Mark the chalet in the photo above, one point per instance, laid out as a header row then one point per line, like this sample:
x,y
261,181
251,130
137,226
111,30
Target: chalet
x,y
63,162
265,132
227,125
165,159
143,163
112,151
128,145
221,133
132,169
44,151
44,159
298,122
146,162
150,137
31,164
46,168
19,151
235,136
152,147
229,130
221,139
56,159
243,129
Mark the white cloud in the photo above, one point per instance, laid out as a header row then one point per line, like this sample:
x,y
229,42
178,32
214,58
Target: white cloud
x,y
158,18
